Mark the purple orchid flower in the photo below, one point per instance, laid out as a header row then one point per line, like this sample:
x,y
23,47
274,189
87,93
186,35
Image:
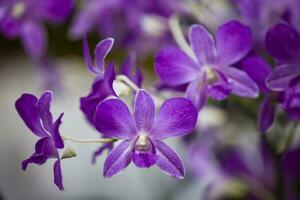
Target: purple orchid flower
x,y
24,18
283,43
103,83
38,118
102,86
142,132
211,73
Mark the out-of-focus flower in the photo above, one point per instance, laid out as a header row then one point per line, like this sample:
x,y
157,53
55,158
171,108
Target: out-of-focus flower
x,y
50,74
228,170
133,23
280,86
103,83
261,15
291,99
211,73
142,133
24,19
283,43
38,118
258,69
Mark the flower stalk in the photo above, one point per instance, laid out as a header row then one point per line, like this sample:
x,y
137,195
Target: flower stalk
x,y
101,140
179,37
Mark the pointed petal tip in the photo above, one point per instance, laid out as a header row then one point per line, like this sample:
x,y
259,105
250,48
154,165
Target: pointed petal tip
x,y
118,159
169,161
108,40
24,165
58,175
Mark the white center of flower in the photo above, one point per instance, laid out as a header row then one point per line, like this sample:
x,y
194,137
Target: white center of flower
x,y
211,75
142,143
153,25
18,9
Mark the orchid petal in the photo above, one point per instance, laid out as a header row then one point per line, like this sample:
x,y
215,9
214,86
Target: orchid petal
x,y
174,67
197,92
25,106
169,161
241,83
234,41
58,175
118,159
258,70
266,114
57,139
283,42
202,43
176,117
101,51
282,76
34,39
43,107
113,119
53,10
144,110
44,149
144,159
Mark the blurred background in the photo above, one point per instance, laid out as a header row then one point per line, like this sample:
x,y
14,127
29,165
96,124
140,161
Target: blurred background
x,y
226,157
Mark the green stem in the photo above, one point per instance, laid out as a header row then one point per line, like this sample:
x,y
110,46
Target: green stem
x,y
102,140
179,37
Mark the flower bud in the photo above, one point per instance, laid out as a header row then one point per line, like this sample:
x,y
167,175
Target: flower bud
x,y
69,153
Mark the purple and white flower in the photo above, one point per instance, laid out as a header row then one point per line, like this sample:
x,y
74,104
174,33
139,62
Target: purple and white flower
x,y
142,132
211,74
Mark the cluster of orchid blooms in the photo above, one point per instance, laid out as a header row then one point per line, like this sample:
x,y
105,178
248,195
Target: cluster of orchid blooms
x,y
206,67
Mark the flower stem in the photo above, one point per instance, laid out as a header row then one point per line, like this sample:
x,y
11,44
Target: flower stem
x,y
179,37
102,140
128,82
